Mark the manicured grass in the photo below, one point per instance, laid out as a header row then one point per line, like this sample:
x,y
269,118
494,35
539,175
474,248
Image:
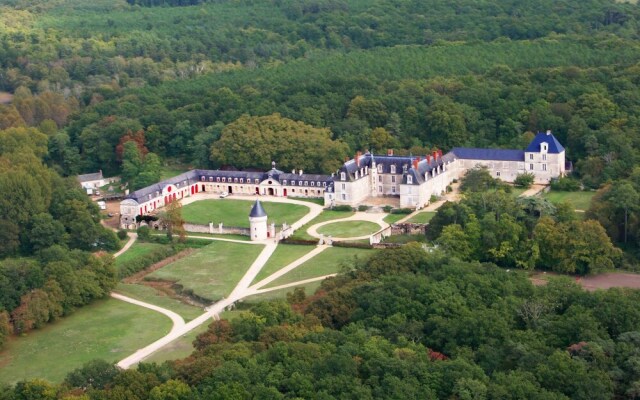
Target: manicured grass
x,y
218,236
517,191
580,200
179,348
236,212
137,250
309,289
330,261
349,229
422,218
393,218
213,271
156,297
108,329
326,215
313,200
284,255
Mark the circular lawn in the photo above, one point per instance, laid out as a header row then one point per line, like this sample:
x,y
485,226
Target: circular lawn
x,y
348,229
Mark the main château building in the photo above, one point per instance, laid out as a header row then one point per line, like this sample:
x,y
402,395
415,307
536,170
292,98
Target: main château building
x,y
414,179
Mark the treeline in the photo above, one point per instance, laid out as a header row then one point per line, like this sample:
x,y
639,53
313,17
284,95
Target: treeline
x,y
405,324
48,226
172,3
527,232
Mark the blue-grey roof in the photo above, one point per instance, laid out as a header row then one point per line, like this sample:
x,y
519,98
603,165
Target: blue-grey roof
x,y
469,153
554,146
257,210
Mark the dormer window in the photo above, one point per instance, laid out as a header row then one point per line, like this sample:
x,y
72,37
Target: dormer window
x,y
202,178
380,168
257,181
241,180
224,179
343,176
313,183
211,179
393,169
284,182
409,179
217,179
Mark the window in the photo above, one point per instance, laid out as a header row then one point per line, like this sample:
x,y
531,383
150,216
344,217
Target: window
x,y
393,179
293,183
531,167
284,182
498,173
530,156
217,179
393,169
544,157
343,186
257,181
235,180
379,189
393,189
299,183
313,183
379,178
211,179
241,180
344,196
343,176
202,178
409,179
306,183
380,168
544,167
324,184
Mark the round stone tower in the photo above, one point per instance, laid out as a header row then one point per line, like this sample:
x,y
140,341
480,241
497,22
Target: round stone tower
x,y
258,222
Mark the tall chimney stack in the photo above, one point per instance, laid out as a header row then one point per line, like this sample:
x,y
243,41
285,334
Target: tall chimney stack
x,y
389,152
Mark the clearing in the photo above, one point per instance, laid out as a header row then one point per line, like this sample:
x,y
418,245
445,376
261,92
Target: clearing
x,y
348,229
580,200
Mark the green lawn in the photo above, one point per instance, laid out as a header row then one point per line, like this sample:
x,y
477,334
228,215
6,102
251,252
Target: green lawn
x,y
309,289
137,250
393,218
330,261
284,255
155,297
108,329
326,215
213,271
422,218
580,200
236,212
349,229
179,348
517,191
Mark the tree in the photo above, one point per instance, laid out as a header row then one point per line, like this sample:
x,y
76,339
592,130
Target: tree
x,y
623,196
171,219
524,180
171,390
95,374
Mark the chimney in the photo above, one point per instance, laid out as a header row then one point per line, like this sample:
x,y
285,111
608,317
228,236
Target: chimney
x,y
358,154
440,153
415,163
389,152
428,158
300,172
293,171
435,155
548,132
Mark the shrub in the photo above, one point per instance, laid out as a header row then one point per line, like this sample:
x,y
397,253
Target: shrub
x,y
122,234
342,208
566,184
144,233
299,241
433,198
356,245
387,209
362,207
401,211
524,180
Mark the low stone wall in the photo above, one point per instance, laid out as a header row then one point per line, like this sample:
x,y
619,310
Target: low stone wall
x,y
217,229
408,229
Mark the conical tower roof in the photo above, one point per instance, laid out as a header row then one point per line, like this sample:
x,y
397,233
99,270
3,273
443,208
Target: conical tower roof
x,y
257,210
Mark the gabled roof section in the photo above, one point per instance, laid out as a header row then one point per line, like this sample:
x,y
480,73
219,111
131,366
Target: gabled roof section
x,y
554,146
469,153
257,210
96,176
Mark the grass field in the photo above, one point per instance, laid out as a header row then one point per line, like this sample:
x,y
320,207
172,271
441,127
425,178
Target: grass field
x,y
517,191
580,200
284,255
330,261
309,289
179,348
326,215
236,212
393,218
422,218
349,229
137,250
108,329
155,297
218,236
213,271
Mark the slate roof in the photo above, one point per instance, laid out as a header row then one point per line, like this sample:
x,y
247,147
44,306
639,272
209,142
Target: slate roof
x,y
468,153
554,146
257,210
142,195
96,176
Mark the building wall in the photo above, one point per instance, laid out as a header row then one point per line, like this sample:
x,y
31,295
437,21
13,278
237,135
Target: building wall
x,y
258,228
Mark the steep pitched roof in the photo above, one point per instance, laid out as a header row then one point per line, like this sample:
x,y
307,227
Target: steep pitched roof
x,y
257,210
469,153
554,146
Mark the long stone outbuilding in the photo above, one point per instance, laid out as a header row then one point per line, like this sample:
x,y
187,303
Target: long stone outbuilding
x,y
414,179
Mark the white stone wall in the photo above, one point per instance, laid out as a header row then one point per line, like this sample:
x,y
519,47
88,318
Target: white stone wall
x,y
258,228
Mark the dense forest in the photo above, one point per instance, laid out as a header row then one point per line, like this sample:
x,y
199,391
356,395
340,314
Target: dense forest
x,y
126,86
405,324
